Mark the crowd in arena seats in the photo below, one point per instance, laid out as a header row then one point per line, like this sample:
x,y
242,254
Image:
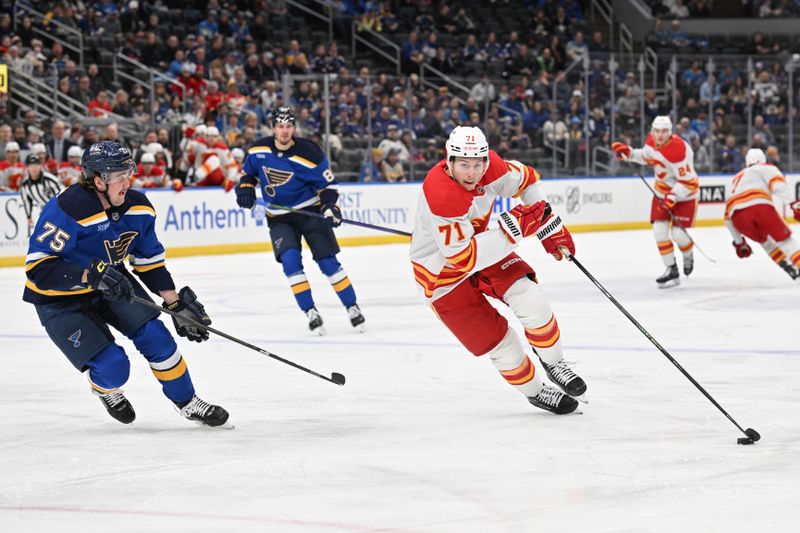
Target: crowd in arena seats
x,y
706,8
226,67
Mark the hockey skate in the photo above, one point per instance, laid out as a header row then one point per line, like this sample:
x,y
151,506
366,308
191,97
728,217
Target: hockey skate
x,y
688,263
670,278
790,269
315,322
117,406
356,318
204,413
567,380
553,400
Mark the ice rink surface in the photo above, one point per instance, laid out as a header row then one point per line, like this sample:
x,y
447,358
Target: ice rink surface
x,y
424,437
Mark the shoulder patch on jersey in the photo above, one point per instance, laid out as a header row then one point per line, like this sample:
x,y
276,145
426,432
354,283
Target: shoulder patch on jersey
x,y
497,168
80,204
673,151
445,197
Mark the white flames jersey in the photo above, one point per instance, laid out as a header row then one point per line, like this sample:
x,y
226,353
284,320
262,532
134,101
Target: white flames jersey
x,y
452,238
673,165
755,185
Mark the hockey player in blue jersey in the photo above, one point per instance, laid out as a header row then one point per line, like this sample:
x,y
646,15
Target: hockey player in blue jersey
x,y
294,172
79,286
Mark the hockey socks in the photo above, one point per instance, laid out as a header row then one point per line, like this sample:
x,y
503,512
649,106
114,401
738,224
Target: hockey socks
x,y
338,279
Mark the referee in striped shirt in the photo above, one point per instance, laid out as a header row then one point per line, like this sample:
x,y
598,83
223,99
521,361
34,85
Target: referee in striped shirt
x,y
37,187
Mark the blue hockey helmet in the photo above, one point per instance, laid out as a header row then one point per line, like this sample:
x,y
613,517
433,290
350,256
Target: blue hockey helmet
x,y
282,114
103,159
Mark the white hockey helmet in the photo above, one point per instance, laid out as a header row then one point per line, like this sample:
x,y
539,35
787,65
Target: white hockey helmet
x,y
39,148
662,122
238,154
212,131
754,157
154,148
12,146
74,151
147,157
466,141
200,130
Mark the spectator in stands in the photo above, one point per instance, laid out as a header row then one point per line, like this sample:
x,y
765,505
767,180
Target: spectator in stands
x,y
59,144
370,170
97,82
730,157
523,62
555,129
678,9
763,129
678,38
709,91
628,105
392,142
687,133
702,161
121,105
597,45
99,106
546,61
392,169
576,48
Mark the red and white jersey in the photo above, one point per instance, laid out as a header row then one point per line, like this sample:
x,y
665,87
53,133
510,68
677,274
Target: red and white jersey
x,y
11,175
673,165
192,152
68,173
452,238
755,185
155,177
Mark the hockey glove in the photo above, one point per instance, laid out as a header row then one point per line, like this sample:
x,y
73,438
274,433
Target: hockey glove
x,y
796,209
521,221
188,306
332,214
621,150
742,249
669,201
555,237
108,280
246,195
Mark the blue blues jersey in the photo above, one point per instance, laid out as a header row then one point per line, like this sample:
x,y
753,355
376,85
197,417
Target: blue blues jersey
x,y
74,229
292,178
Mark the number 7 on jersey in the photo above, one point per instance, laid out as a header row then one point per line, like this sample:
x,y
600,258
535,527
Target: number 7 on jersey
x,y
447,229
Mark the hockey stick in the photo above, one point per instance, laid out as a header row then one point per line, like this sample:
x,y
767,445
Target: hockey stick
x,y
751,434
336,378
353,222
671,216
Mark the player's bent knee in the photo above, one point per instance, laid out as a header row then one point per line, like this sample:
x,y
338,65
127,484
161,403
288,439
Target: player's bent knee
x,y
509,352
154,341
110,368
661,230
291,261
329,265
528,302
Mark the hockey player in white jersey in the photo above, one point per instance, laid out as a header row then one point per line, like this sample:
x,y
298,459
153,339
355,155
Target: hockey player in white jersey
x,y
676,192
750,212
460,259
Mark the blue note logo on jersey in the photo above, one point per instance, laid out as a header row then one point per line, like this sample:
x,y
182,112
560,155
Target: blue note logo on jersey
x,y
117,251
75,339
275,178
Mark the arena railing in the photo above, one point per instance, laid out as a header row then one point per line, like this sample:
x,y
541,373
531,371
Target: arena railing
x,y
21,8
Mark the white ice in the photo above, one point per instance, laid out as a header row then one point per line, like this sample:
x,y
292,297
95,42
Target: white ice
x,y
424,437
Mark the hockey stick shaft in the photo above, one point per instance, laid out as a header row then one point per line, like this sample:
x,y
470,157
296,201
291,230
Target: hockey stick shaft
x,y
655,342
671,216
336,378
346,221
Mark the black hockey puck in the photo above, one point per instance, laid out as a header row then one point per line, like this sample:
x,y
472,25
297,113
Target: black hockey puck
x,y
753,434
745,440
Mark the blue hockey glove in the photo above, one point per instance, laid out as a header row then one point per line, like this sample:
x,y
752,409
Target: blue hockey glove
x,y
108,280
246,195
188,306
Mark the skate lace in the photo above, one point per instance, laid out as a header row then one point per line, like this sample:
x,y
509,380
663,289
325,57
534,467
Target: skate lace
x,y
353,312
113,399
549,396
562,372
196,407
312,314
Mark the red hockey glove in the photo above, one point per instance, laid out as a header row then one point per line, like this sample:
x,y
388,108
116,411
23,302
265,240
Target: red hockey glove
x,y
742,249
522,221
555,237
621,150
670,200
796,208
